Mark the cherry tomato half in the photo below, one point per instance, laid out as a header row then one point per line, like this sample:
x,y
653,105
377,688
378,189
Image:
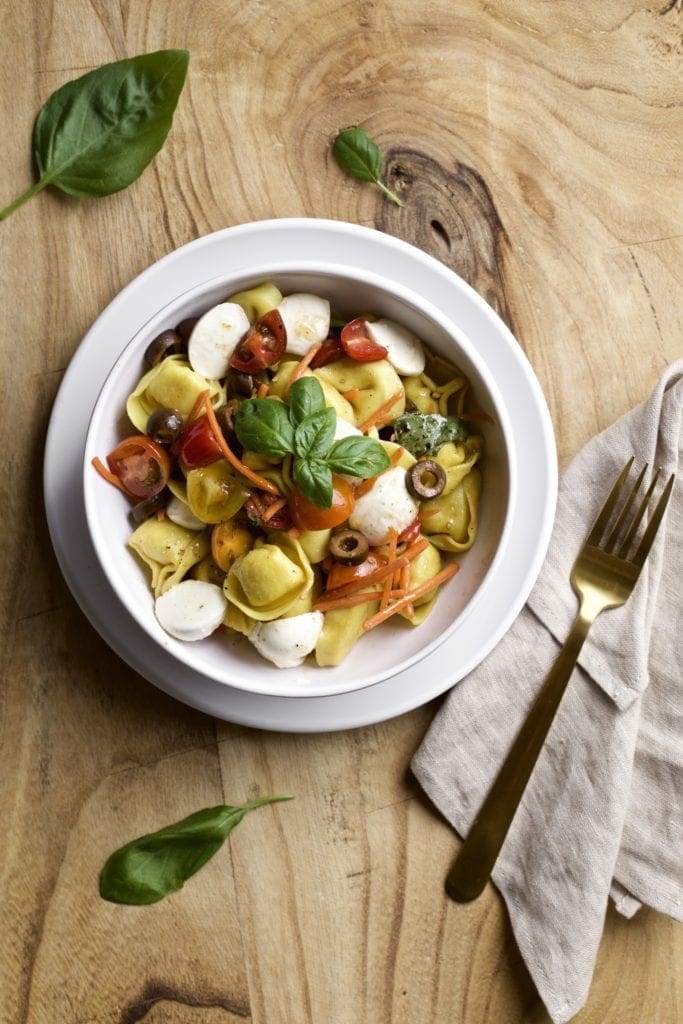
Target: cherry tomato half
x,y
197,445
257,504
330,350
142,466
357,344
308,516
263,345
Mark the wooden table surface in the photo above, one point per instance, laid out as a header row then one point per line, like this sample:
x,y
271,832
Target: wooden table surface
x,y
537,146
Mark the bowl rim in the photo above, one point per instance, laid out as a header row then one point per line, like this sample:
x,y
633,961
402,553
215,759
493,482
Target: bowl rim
x,y
184,651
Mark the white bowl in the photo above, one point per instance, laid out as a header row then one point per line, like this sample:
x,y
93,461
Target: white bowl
x,y
386,650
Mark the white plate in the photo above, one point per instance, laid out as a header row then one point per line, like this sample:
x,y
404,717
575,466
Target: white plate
x,y
236,249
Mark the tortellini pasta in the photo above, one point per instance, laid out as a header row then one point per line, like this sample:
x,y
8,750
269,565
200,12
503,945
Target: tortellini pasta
x,y
424,567
366,386
258,300
451,519
333,399
169,550
341,629
173,384
267,581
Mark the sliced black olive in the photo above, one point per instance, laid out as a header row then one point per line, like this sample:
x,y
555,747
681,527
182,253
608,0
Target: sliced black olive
x,y
241,384
144,509
349,547
426,479
165,344
165,426
226,421
186,327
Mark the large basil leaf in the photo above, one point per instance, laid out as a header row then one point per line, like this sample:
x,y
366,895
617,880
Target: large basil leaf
x,y
313,477
358,456
97,134
314,436
305,397
262,425
149,868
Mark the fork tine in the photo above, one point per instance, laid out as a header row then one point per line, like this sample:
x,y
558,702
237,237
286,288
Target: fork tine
x,y
607,509
628,539
643,549
616,529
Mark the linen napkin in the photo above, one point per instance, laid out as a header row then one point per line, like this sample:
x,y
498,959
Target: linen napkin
x,y
603,810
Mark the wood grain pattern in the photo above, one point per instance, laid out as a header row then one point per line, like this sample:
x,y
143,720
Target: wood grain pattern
x,y
538,148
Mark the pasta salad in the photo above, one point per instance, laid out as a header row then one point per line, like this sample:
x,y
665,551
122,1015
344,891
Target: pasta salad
x,y
296,477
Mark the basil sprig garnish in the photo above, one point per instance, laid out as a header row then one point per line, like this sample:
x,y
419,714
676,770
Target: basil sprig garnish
x,y
361,158
305,429
149,868
96,134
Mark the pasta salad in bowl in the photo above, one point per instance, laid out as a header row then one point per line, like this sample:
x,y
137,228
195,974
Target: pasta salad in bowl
x,y
298,480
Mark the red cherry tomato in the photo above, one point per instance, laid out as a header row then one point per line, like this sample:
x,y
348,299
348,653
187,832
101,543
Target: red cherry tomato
x,y
308,516
330,350
142,466
263,345
197,446
357,344
257,504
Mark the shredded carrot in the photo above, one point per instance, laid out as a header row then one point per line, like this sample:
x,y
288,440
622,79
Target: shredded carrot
x,y
293,532
380,413
198,405
405,587
379,574
326,604
366,485
263,390
303,364
260,481
391,581
427,513
161,515
351,394
411,596
274,507
110,477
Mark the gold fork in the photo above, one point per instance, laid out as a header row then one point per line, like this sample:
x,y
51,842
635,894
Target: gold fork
x,y
601,579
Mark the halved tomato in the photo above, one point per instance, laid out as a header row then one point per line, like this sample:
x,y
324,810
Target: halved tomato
x,y
142,466
263,345
197,445
308,516
358,345
411,533
330,350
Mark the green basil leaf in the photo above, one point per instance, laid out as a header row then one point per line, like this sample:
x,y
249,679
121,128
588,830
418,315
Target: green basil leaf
x,y
314,436
358,456
313,477
305,397
149,868
97,134
262,425
422,432
361,158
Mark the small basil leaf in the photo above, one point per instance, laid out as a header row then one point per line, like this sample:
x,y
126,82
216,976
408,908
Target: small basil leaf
x,y
305,397
358,456
149,868
262,425
313,477
314,436
97,134
361,158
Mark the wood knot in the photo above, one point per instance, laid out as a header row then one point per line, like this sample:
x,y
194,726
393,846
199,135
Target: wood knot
x,y
451,215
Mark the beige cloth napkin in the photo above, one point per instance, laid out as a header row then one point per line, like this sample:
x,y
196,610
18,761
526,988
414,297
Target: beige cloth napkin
x,y
603,812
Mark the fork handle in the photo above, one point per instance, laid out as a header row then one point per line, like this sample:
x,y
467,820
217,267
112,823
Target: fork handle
x,y
479,852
